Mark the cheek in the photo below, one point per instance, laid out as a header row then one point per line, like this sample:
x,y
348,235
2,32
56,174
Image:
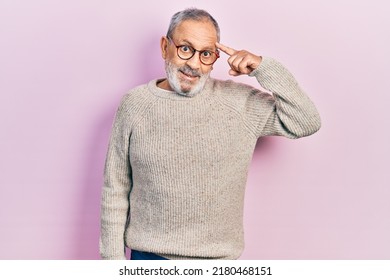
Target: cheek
x,y
175,61
172,56
206,69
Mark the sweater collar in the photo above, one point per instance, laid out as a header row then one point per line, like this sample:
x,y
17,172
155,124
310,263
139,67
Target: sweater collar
x,y
152,85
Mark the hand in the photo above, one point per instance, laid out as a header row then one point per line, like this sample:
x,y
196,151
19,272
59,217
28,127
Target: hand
x,y
240,62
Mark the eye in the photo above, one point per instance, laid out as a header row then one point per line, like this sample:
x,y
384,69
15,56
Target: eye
x,y
207,54
186,49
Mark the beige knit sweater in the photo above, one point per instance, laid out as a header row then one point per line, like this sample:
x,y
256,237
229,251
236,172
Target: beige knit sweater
x,y
176,166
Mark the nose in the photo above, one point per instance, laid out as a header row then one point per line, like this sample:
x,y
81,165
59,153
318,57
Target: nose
x,y
194,62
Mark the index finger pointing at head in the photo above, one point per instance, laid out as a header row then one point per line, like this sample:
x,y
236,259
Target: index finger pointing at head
x,y
225,49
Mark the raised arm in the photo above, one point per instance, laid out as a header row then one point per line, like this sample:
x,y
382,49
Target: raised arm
x,y
291,113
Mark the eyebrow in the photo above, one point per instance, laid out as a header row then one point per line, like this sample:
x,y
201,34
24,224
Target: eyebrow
x,y
204,49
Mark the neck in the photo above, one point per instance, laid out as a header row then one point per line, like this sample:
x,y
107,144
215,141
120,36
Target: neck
x,y
164,84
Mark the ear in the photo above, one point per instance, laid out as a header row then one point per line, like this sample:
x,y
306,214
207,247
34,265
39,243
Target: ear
x,y
164,47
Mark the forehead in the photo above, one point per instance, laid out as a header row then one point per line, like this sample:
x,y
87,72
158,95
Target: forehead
x,y
200,34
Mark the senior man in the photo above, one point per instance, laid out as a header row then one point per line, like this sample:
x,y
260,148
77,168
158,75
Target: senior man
x,y
180,147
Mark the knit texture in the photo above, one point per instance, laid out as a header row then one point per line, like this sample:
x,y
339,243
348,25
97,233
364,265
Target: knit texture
x,y
177,166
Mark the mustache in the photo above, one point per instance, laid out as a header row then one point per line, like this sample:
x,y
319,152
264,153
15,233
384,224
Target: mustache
x,y
189,71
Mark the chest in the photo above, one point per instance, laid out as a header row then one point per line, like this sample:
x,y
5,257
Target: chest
x,y
184,135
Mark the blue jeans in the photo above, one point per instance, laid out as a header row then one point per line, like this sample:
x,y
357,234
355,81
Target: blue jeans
x,y
138,255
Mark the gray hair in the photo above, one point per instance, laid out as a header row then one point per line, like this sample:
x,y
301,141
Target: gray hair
x,y
191,14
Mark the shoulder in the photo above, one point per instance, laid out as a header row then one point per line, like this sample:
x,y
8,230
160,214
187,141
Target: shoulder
x,y
230,86
136,99
134,95
133,105
239,95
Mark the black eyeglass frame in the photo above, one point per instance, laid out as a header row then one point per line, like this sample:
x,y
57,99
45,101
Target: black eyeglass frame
x,y
193,52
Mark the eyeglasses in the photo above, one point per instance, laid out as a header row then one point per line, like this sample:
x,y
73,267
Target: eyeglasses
x,y
186,52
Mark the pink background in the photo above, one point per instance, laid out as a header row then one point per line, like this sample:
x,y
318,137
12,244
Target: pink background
x,y
64,66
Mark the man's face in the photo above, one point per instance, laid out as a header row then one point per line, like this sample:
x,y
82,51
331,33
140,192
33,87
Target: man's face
x,y
188,77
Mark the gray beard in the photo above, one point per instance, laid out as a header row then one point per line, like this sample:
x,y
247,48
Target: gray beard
x,y
172,72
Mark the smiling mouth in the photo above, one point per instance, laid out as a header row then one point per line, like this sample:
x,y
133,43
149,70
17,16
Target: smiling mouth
x,y
189,75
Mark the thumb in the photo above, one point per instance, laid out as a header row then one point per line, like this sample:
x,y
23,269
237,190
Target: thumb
x,y
234,73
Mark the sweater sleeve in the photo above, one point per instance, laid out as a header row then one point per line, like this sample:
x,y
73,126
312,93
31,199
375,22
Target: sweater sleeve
x,y
291,113
116,188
